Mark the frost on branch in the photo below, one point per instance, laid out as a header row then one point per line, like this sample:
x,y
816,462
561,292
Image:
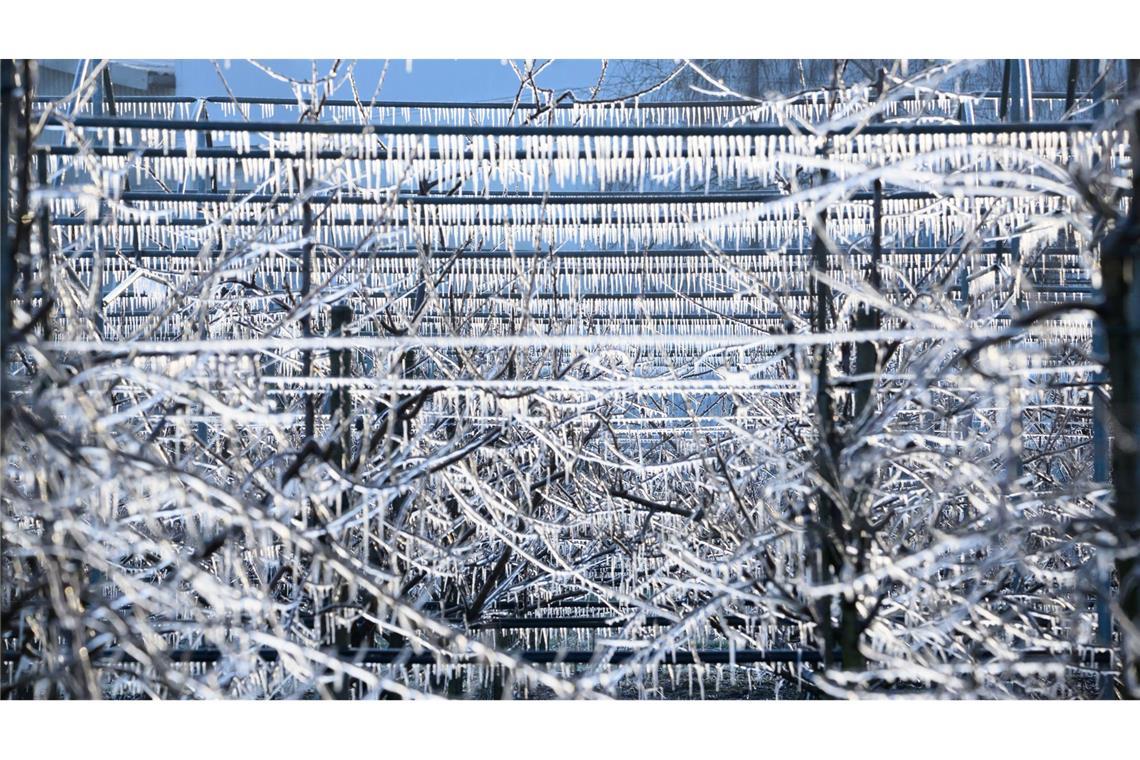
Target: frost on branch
x,y
752,397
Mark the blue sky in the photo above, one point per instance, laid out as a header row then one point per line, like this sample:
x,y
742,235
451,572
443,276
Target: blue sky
x,y
425,79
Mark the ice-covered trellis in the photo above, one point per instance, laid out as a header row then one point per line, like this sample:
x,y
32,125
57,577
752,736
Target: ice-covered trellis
x,y
343,399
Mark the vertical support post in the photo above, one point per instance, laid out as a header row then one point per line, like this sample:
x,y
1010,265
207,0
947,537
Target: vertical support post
x,y
1128,480
7,235
340,365
46,276
95,298
965,105
103,98
108,91
339,413
1120,267
1071,85
1020,90
1099,425
1101,454
307,319
1026,71
1021,109
1003,103
1017,419
339,359
1015,112
964,286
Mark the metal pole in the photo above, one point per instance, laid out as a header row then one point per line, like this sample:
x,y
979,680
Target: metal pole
x,y
513,198
746,130
1126,392
1016,95
1003,103
1071,85
467,105
1120,251
1101,454
1026,73
45,240
8,251
307,319
340,402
